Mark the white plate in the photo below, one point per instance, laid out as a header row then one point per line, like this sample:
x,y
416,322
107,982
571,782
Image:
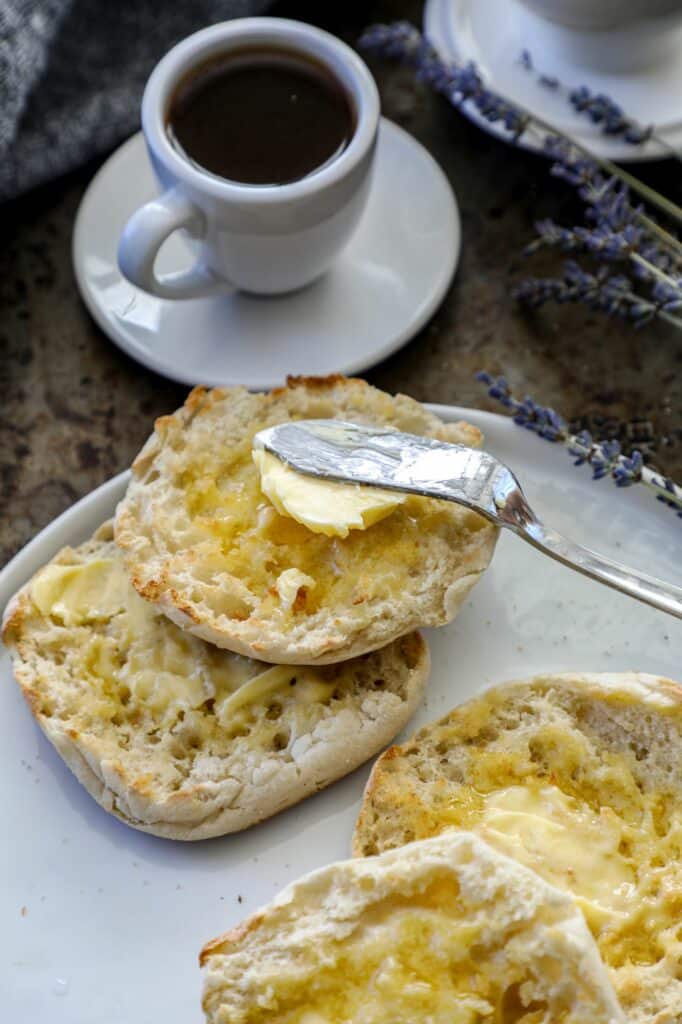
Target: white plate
x,y
113,919
384,287
493,34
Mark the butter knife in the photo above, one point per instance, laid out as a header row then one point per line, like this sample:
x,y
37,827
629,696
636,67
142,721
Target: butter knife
x,y
380,457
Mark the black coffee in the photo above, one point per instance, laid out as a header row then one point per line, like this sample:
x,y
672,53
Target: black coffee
x,y
261,117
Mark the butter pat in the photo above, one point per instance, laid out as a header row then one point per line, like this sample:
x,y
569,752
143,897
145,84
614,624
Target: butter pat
x,y
75,594
324,507
568,843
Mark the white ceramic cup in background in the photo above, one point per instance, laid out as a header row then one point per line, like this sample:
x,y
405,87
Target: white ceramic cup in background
x,y
602,14
258,238
613,36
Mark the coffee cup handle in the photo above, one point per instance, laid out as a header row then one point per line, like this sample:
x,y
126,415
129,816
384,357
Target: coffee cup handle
x,y
145,233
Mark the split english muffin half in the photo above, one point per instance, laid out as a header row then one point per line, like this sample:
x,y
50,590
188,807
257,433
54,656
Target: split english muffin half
x,y
209,550
179,738
444,931
578,777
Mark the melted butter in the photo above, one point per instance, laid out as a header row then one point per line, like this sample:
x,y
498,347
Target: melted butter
x,y
238,531
310,690
255,689
415,958
128,643
75,594
289,585
320,505
568,844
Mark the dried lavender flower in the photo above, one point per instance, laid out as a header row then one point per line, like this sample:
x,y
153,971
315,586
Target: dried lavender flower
x,y
600,240
612,294
526,413
600,109
458,83
604,457
619,231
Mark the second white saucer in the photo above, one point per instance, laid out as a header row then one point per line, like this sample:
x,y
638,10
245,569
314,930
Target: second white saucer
x,y
494,33
385,286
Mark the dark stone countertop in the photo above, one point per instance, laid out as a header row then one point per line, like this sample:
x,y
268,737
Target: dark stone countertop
x,y
75,410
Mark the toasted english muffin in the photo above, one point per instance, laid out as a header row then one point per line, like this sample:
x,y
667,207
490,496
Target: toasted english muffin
x,y
206,547
580,778
177,737
444,931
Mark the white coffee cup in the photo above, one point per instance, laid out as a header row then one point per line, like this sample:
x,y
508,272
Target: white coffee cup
x,y
262,239
609,36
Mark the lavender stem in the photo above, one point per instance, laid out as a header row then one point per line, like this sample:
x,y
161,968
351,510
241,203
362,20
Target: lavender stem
x,y
605,457
661,313
670,241
634,184
655,272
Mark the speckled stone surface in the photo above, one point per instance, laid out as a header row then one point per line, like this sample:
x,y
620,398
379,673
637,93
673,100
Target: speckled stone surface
x,y
75,410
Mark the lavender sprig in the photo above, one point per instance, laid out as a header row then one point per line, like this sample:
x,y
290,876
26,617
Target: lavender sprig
x,y
609,201
458,83
463,83
628,244
604,457
618,231
601,240
603,292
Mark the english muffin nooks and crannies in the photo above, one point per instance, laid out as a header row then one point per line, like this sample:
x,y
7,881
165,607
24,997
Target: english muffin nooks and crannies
x,y
177,737
204,544
579,777
445,931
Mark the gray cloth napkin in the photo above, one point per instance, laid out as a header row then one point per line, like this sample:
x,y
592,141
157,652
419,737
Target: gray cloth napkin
x,y
72,74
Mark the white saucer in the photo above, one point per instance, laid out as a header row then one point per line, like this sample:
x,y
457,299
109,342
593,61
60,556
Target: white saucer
x,y
494,33
385,286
